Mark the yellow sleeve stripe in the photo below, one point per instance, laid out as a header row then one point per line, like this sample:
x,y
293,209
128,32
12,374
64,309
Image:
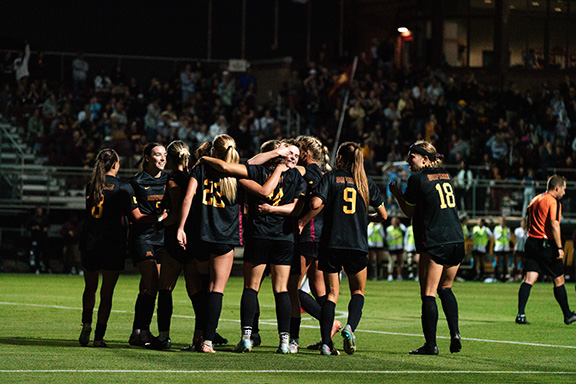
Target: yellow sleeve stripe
x,y
410,204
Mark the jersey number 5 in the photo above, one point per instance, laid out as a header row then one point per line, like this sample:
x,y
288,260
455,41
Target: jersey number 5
x,y
446,194
211,194
349,197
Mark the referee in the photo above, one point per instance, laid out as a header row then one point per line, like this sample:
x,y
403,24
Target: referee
x,y
544,252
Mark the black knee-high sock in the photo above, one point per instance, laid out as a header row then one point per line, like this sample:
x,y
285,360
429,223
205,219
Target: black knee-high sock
x,y
450,307
100,331
311,306
295,327
248,305
148,303
523,295
321,300
283,311
326,320
355,310
256,320
429,319
199,305
87,316
214,308
138,312
164,311
562,299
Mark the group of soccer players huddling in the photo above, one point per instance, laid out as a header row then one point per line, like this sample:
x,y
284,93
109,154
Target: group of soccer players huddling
x,y
293,214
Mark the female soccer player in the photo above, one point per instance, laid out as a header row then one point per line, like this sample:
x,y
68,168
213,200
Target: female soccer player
x,y
146,242
345,195
429,199
103,240
269,237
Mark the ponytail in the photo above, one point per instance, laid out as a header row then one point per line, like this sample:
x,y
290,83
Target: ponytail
x,y
105,160
350,157
225,148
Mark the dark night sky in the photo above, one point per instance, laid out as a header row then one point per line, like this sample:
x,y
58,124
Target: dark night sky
x,y
164,28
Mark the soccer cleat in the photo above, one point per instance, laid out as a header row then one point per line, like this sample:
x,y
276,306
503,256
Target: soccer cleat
x,y
159,345
425,350
189,348
315,347
327,351
196,344
84,338
100,344
294,346
570,319
390,278
349,340
455,343
336,327
256,340
139,339
205,348
219,340
521,319
283,347
245,345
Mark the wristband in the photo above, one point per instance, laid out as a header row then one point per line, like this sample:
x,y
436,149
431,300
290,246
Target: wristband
x,y
560,248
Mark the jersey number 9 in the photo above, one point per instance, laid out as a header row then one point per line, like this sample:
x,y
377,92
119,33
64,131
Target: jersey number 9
x,y
446,194
349,197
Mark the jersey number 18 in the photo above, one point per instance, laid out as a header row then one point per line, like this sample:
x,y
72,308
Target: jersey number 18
x,y
446,194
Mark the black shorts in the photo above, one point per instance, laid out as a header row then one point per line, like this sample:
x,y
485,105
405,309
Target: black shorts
x,y
541,256
112,260
447,254
308,249
142,250
263,251
204,249
333,260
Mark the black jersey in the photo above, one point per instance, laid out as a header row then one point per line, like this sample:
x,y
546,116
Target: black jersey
x,y
181,179
104,228
219,218
435,220
269,226
312,231
149,193
345,214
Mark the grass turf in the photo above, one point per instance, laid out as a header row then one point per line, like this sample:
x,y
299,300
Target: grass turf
x,y
40,325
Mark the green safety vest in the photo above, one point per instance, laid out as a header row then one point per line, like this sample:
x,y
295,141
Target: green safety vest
x,y
505,238
376,236
394,238
410,237
480,235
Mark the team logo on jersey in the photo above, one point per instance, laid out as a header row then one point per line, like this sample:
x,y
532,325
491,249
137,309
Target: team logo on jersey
x,y
148,187
149,254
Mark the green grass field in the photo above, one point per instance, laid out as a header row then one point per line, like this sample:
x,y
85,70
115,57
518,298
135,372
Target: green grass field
x,y
40,324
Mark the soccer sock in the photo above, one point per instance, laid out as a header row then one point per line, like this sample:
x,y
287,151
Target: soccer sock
x,y
100,331
295,327
164,311
321,300
87,316
326,321
523,295
283,311
138,311
311,306
450,307
213,308
205,280
199,305
429,319
562,299
355,310
148,303
255,327
248,305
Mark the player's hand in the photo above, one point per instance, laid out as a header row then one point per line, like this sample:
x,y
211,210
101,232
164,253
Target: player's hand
x,y
282,166
283,151
301,226
560,254
181,237
264,208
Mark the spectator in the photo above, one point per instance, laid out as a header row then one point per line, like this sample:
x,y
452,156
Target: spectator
x,y
21,68
79,73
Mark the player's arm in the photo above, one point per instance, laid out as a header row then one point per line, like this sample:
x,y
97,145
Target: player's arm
x,y
185,211
140,218
292,209
316,205
263,191
176,208
236,170
380,215
557,237
264,157
405,206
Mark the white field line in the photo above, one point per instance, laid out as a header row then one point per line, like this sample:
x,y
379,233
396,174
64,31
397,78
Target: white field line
x,y
272,322
204,371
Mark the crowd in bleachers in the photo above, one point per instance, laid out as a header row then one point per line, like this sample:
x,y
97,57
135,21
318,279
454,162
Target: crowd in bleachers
x,y
512,133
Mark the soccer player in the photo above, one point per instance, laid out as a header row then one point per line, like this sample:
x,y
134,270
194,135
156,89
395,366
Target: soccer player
x,y
345,195
502,238
429,199
268,236
103,240
543,250
147,242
